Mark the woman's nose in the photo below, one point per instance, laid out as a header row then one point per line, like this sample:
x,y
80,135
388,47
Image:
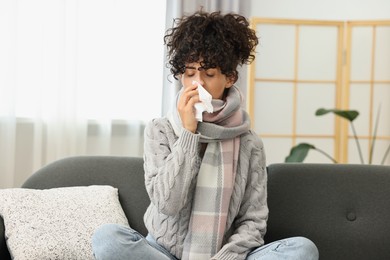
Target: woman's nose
x,y
199,78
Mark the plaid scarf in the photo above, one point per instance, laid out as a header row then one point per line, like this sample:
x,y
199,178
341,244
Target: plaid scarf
x,y
215,181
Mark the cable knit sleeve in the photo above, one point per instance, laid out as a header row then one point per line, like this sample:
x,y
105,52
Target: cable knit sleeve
x,y
249,226
170,164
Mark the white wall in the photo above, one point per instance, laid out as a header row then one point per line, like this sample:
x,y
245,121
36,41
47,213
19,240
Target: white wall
x,y
321,10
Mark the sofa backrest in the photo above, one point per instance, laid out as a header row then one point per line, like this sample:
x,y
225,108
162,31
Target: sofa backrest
x,y
344,209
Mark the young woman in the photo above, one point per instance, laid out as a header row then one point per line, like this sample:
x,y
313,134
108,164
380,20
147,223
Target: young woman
x,y
206,178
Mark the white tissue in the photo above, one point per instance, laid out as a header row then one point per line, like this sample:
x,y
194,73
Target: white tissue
x,y
205,104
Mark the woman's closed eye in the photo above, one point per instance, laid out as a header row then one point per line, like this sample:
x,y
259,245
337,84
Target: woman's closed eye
x,y
210,72
189,72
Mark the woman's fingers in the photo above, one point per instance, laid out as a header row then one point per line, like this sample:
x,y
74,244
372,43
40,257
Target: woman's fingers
x,y
187,94
186,109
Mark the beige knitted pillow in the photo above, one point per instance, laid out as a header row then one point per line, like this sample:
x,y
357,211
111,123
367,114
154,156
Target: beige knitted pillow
x,y
57,223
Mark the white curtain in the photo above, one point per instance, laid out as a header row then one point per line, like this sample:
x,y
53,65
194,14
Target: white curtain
x,y
77,77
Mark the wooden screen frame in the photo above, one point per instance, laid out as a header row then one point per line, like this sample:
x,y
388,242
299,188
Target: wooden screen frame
x,y
252,79
346,135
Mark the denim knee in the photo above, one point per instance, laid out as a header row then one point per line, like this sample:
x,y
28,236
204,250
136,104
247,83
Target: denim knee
x,y
296,248
307,246
117,242
103,240
106,231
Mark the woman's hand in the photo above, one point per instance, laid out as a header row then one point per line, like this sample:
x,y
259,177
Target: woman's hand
x,y
186,108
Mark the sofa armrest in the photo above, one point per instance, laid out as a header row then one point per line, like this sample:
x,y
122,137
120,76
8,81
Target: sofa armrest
x,y
4,254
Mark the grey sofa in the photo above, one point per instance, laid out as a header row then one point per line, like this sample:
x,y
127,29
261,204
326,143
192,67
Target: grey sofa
x,y
344,209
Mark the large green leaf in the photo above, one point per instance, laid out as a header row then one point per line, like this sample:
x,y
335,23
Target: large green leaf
x,y
347,114
299,152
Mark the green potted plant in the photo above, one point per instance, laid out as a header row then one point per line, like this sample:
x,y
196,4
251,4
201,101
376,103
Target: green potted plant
x,y
299,152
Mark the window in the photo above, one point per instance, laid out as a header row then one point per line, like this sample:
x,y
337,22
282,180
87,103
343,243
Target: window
x,y
96,59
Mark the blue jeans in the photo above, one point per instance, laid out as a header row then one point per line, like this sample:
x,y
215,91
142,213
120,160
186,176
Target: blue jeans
x,y
115,242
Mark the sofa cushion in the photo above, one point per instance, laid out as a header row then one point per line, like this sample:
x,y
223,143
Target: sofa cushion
x,y
57,223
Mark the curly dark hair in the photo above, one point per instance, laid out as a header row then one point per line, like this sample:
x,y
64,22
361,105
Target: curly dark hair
x,y
217,40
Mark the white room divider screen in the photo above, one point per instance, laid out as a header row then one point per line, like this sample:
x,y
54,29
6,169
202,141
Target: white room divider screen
x,y
303,65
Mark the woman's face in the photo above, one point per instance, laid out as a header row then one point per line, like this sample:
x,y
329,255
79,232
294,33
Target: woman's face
x,y
211,79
